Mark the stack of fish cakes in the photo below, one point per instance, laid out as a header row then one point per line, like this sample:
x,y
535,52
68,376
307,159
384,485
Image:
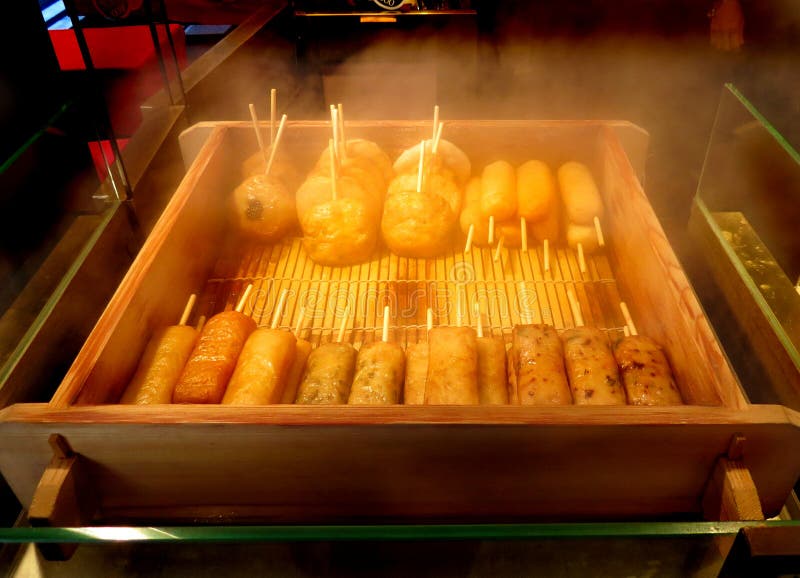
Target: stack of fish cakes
x,y
341,228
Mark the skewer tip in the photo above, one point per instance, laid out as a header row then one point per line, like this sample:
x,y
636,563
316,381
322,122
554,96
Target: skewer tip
x,y
523,234
385,333
274,149
254,118
601,242
497,251
279,306
546,247
478,320
243,298
187,310
343,325
342,139
628,319
335,129
436,138
577,315
273,111
470,236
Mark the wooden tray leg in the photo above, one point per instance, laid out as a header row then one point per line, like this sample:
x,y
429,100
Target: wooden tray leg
x,y
755,551
731,493
62,498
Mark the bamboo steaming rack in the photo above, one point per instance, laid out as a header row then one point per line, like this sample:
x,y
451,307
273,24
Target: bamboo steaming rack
x,y
510,290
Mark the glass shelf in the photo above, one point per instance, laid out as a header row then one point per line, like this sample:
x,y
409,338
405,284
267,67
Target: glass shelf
x,y
696,549
745,215
389,532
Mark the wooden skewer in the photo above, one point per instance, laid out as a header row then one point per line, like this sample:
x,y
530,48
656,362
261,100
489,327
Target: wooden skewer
x,y
601,242
276,314
581,258
301,317
188,309
335,129
333,168
626,332
260,140
470,235
523,232
243,298
421,164
385,334
429,318
273,114
343,325
628,319
499,248
200,323
436,139
576,308
525,313
479,321
342,140
276,143
435,120
546,256
491,230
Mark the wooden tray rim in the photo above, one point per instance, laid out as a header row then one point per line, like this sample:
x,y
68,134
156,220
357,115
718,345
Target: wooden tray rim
x,y
571,416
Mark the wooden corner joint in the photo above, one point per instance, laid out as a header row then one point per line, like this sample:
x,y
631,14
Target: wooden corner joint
x,y
731,493
62,497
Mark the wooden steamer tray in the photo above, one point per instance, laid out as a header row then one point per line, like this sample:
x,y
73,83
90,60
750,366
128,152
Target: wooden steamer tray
x,y
412,463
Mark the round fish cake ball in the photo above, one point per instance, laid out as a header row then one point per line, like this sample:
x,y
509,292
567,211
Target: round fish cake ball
x,y
417,224
264,208
339,232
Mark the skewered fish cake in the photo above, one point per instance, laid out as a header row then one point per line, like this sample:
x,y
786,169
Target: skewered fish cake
x,y
264,208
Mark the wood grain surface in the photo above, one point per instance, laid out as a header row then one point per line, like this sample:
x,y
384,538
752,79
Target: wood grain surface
x,y
344,463
662,301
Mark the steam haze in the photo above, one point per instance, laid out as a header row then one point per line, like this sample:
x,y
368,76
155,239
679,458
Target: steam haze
x,y
650,63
